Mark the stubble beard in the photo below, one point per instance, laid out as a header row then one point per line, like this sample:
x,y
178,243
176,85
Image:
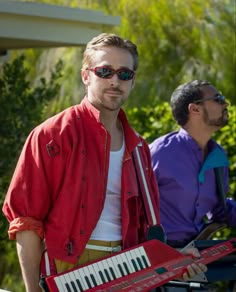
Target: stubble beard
x,y
113,102
219,123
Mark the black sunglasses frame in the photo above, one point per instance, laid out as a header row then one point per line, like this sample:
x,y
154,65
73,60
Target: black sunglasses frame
x,y
108,73
220,99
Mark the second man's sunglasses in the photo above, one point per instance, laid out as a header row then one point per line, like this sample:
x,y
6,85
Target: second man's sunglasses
x,y
123,74
218,98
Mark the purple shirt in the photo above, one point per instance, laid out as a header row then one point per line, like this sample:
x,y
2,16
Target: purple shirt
x,y
184,200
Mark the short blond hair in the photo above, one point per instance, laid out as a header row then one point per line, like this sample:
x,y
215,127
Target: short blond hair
x,y
108,40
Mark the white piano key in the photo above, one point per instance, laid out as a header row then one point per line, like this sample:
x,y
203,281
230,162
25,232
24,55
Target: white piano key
x,y
123,261
129,258
134,256
127,262
59,282
87,273
143,253
83,274
109,264
140,251
73,277
93,270
139,255
63,279
112,262
107,272
79,277
101,268
73,281
67,281
120,265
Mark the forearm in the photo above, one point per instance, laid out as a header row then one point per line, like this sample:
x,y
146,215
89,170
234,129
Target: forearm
x,y
30,249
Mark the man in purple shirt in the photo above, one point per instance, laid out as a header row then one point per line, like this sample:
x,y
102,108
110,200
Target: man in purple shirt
x,y
184,163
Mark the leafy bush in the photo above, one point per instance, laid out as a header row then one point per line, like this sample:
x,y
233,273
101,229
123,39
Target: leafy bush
x,y
22,108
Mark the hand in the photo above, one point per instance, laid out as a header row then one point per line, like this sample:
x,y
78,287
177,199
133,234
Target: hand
x,y
195,268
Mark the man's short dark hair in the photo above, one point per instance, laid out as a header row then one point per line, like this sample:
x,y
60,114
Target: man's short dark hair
x,y
184,95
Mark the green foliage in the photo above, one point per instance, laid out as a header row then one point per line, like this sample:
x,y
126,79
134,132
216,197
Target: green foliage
x,y
22,108
178,41
227,137
152,122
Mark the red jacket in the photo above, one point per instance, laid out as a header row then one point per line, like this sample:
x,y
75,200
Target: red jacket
x,y
59,184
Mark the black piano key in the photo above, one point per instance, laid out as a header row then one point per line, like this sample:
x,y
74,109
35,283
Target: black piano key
x,y
107,274
73,286
145,261
128,261
135,265
102,276
93,273
140,263
112,273
116,262
121,270
94,280
88,282
80,276
68,287
79,285
126,264
126,268
114,265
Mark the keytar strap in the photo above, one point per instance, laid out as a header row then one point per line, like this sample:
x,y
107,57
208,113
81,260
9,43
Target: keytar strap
x,y
219,173
155,230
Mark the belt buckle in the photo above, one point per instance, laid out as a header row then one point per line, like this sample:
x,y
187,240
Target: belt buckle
x,y
116,248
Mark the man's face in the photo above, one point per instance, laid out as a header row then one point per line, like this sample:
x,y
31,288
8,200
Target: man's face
x,y
214,113
108,94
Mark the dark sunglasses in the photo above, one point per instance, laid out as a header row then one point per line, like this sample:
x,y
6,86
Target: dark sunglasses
x,y
218,98
107,73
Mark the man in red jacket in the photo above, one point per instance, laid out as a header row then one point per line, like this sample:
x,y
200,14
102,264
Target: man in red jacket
x,y
74,192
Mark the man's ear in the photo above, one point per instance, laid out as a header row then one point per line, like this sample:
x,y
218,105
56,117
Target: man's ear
x,y
85,77
193,108
133,82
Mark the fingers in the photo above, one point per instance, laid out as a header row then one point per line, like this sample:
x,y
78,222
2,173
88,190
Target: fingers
x,y
192,251
193,270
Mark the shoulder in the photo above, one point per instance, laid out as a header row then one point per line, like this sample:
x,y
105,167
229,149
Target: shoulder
x,y
165,142
59,123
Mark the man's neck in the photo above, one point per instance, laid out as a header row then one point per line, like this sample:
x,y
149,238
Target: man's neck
x,y
201,136
114,127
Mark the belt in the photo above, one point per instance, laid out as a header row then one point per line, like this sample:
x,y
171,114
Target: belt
x,y
104,248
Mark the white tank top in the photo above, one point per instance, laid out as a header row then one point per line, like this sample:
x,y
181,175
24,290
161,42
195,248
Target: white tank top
x,y
109,225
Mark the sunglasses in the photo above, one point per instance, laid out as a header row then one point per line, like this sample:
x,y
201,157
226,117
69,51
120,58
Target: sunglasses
x,y
107,73
218,98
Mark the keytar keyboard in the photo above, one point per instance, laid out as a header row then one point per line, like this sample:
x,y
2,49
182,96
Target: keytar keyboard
x,y
140,268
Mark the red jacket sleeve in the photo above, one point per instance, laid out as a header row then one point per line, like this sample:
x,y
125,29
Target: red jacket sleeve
x,y
28,199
